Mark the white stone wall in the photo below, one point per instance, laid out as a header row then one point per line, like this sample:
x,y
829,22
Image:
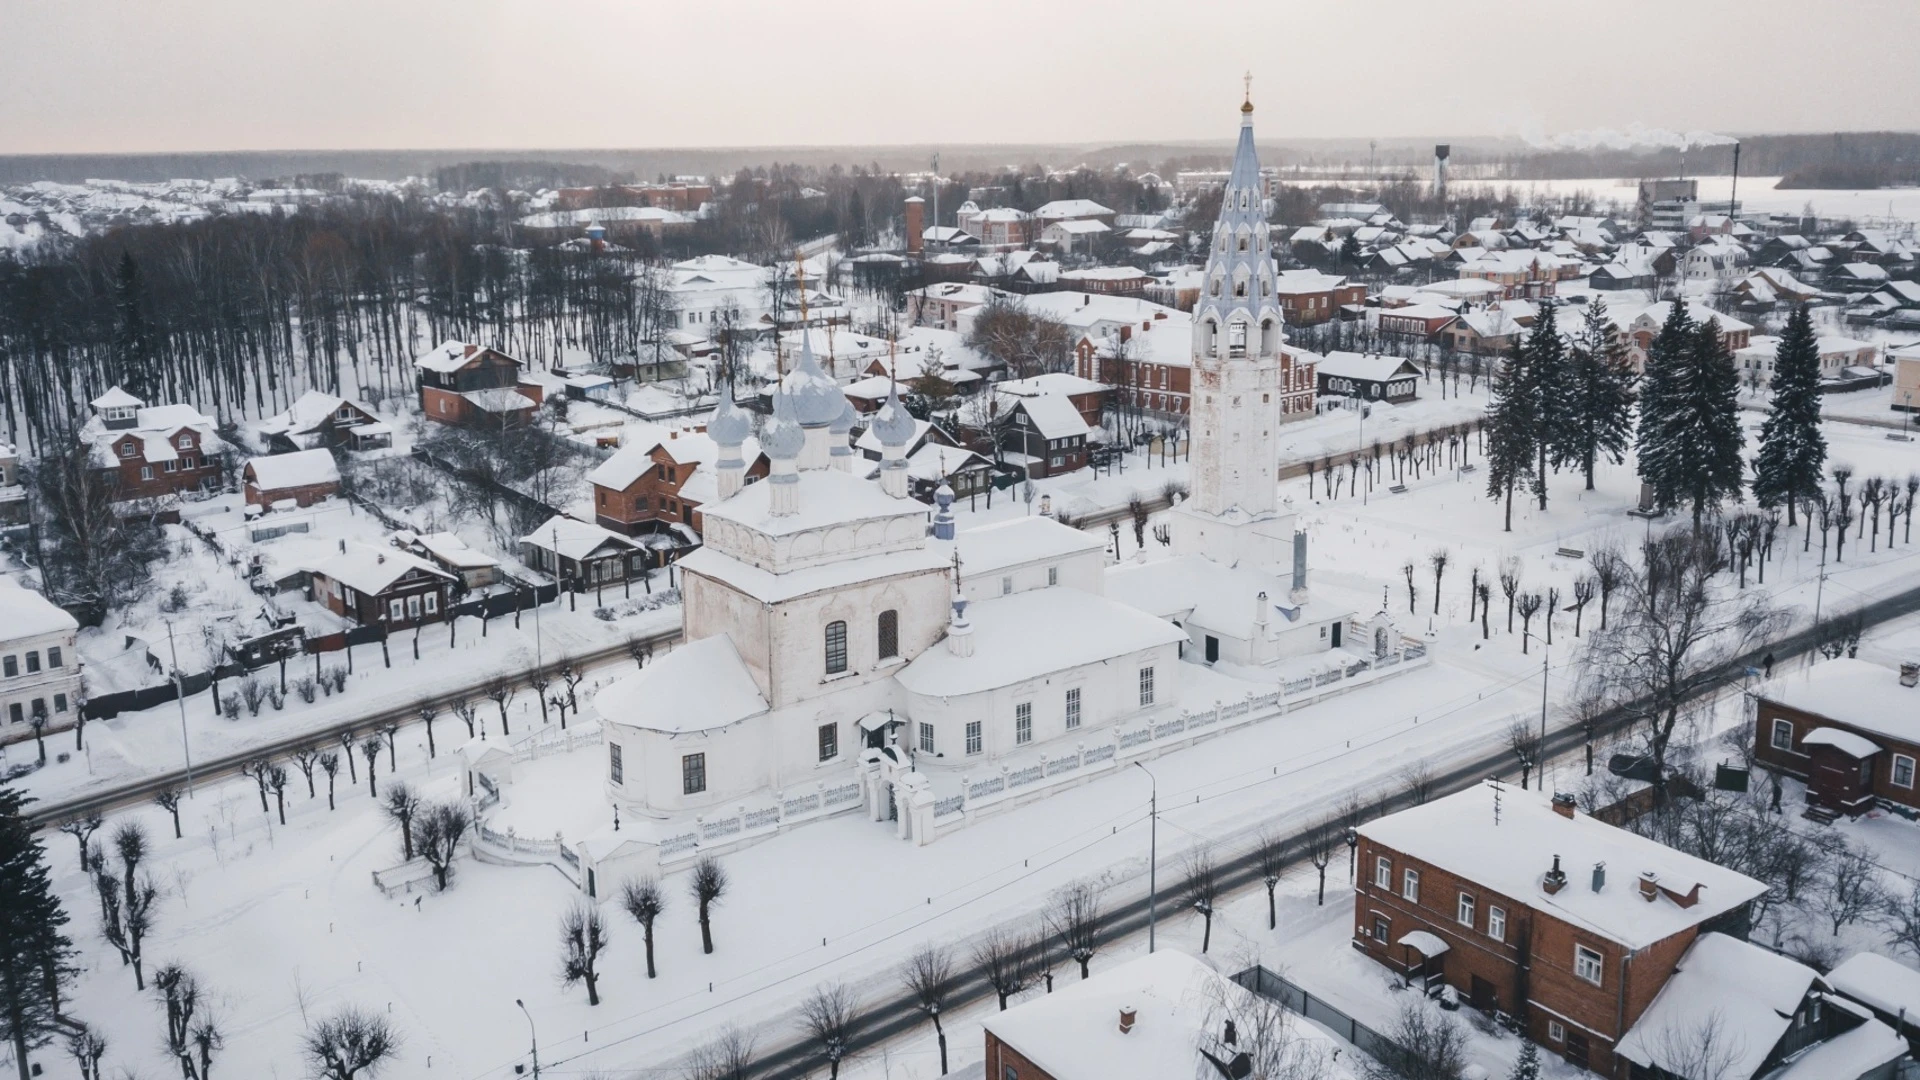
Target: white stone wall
x,y
1085,571
24,688
797,631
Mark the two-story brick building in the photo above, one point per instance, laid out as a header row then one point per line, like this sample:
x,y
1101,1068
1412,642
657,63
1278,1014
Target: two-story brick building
x,y
153,452
1849,728
653,485
461,383
39,668
1309,296
1528,907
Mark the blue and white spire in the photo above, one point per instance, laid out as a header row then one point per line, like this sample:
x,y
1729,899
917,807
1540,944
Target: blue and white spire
x,y
894,427
729,429
1238,286
817,402
783,439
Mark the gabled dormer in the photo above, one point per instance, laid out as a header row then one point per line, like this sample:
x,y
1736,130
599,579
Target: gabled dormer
x,y
117,409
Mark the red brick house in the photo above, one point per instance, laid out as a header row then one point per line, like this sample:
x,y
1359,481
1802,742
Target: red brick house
x,y
1309,296
462,383
1528,907
306,477
1088,396
382,586
153,452
652,487
1151,369
1849,728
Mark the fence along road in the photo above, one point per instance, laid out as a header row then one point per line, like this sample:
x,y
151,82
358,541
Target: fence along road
x,y
899,1014
139,791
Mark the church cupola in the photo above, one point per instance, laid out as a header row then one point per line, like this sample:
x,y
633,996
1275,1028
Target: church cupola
x,y
728,429
817,402
943,526
784,440
894,427
839,454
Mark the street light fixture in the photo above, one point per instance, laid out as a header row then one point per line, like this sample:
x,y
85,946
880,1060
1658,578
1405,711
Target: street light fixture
x,y
531,1034
1153,853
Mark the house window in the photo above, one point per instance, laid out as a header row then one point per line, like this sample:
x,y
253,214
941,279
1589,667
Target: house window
x,y
170,466
889,633
1464,913
16,714
926,738
1410,885
615,770
1237,335
1383,872
433,602
1586,964
1053,575
693,774
1556,1031
346,593
128,449
33,661
836,647
1783,735
186,442
146,472
413,606
829,741
1146,687
396,609
1381,928
1057,462
973,736
59,703
1023,722
1902,771
1497,923
1073,707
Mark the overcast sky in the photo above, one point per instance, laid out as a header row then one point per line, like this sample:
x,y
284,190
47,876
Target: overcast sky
x,y
157,75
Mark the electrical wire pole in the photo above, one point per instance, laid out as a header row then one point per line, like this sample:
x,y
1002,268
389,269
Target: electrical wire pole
x,y
180,698
1153,853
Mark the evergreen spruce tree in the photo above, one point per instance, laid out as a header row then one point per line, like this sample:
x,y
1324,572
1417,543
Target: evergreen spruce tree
x,y
1793,452
1527,1066
1543,378
132,343
1661,460
35,957
1512,428
1597,411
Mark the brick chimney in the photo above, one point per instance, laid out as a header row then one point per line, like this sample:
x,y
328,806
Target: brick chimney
x,y
916,224
1127,1015
1909,673
1556,878
1649,886
1563,805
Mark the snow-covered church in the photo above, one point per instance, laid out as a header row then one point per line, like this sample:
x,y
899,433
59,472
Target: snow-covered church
x,y
842,650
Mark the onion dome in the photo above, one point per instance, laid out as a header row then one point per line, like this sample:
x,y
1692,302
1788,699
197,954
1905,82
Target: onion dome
x,y
893,425
843,424
730,425
782,438
817,399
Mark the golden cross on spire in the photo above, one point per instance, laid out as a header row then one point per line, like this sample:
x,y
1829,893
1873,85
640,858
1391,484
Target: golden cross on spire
x,y
1246,82
800,271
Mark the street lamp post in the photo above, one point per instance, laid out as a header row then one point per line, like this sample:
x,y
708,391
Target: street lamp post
x,y
1153,854
532,1035
180,696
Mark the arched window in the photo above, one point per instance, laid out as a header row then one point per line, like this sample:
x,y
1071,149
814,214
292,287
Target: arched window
x,y
836,647
1236,340
1243,241
1240,287
889,633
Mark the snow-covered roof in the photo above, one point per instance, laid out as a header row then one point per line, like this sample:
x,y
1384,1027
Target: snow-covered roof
x,y
1366,368
303,468
1847,1056
498,399
1751,993
561,219
1879,982
1032,634
1299,282
575,539
25,613
1853,745
448,548
372,569
1054,416
309,411
1052,382
445,357
1070,208
827,497
990,549
1852,692
699,686
1079,227
1506,840
1197,591
772,588
116,398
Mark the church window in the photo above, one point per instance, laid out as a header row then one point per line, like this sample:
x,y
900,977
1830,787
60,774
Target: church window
x,y
1237,339
889,633
1243,241
1006,586
926,738
836,647
615,770
1146,687
1023,723
973,736
693,774
1073,707
829,741
1240,287
1053,575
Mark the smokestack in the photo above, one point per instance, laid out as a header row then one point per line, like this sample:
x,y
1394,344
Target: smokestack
x,y
916,224
1298,594
1563,805
1441,152
1556,878
1599,876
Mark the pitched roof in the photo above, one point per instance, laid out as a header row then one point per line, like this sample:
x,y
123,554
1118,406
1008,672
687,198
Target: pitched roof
x,y
1053,415
575,539
373,570
303,468
1367,368
1035,633
699,686
1852,692
1751,993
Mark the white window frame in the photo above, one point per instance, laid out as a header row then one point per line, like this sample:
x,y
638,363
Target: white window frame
x,y
396,609
1146,686
413,606
1073,707
926,737
1022,723
432,603
616,769
1781,735
1556,1031
1587,960
1464,912
1383,873
1496,923
1900,760
974,738
1410,885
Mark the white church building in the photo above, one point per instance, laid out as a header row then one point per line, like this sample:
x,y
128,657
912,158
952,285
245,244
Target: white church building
x,y
842,651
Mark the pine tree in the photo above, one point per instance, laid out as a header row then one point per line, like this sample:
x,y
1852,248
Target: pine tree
x,y
1543,378
1527,1066
1662,462
1597,416
35,957
1709,422
1793,452
1512,430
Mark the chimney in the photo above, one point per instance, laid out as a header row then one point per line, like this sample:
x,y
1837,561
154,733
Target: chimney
x,y
1298,594
1127,1015
1649,886
1556,878
916,224
1599,876
1563,805
381,557
343,547
1260,612
1909,673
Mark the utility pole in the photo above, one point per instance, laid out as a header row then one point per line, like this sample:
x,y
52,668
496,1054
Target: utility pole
x,y
180,698
1153,854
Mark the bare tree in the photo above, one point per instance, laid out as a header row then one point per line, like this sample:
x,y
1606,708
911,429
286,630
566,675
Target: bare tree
x,y
1437,558
831,1017
1004,957
638,650
1423,1044
1529,605
1584,588
391,732
1903,920
304,758
1074,917
1510,585
346,750
1200,888
438,830
728,1057
642,899
370,748
330,764
428,714
1319,846
1524,739
193,1036
1256,1038
1708,1050
1850,887
82,827
708,885
168,799
468,711
1273,860
255,769
571,676
583,937
126,901
500,691
1408,570
928,976
277,781
400,807
86,1047
350,1044
1417,781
